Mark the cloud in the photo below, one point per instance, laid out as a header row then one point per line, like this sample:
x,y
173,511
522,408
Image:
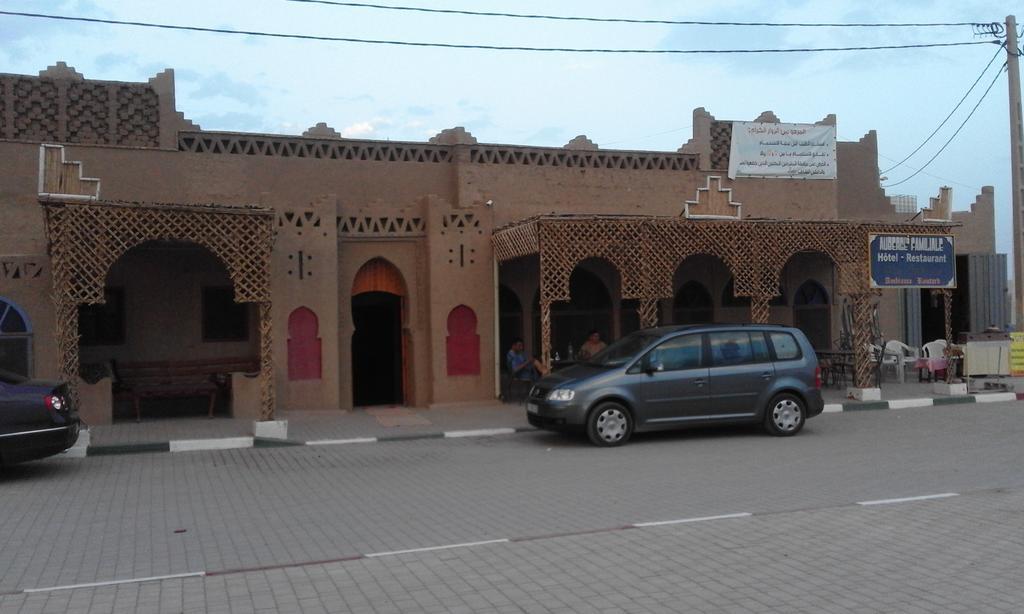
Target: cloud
x,y
358,130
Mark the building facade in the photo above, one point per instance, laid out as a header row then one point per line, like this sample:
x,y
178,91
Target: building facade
x,y
382,276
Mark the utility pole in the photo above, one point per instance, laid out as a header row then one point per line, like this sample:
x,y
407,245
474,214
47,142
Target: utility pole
x,y
1016,168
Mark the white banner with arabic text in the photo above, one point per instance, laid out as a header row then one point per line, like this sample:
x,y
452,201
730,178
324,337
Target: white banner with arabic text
x,y
783,151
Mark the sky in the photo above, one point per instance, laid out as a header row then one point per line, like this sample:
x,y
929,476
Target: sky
x,y
619,101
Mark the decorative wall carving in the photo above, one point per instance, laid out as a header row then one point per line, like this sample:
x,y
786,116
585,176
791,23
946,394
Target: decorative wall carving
x,y
721,143
365,226
562,158
297,147
17,268
35,110
60,106
138,116
88,113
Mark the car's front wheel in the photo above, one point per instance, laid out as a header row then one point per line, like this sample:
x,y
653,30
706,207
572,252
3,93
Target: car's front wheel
x,y
609,424
785,415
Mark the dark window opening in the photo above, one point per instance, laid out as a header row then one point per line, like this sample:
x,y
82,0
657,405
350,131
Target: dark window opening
x,y
103,324
223,318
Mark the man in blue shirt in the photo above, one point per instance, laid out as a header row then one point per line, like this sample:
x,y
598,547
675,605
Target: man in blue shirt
x,y
521,366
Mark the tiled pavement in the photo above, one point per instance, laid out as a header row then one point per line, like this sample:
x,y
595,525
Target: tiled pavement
x,y
961,554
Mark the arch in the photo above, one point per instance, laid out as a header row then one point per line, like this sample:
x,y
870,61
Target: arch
x,y
462,343
378,275
15,339
590,306
379,338
692,304
86,238
729,298
304,345
812,313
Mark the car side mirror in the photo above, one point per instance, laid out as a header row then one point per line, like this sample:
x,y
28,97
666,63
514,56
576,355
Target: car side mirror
x,y
653,366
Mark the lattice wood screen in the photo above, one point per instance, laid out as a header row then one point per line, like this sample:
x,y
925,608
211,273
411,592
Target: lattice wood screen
x,y
86,238
647,250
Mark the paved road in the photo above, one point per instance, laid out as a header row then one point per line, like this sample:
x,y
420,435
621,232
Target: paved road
x,y
258,521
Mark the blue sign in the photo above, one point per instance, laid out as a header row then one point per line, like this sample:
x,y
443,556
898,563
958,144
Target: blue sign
x,y
912,261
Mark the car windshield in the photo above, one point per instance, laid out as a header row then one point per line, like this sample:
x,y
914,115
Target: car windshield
x,y
11,378
623,350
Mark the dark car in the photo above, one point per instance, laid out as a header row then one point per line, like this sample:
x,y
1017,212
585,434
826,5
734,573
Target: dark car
x,y
674,376
36,419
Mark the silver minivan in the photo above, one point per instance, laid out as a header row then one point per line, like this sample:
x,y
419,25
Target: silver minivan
x,y
675,376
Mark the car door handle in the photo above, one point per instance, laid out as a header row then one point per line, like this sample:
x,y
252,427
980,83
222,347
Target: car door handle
x,y
699,382
766,375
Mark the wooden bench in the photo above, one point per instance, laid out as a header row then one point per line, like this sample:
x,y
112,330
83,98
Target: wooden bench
x,y
165,379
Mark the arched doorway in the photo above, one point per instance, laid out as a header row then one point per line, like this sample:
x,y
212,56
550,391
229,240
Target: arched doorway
x,y
692,304
15,340
378,345
168,333
589,307
811,314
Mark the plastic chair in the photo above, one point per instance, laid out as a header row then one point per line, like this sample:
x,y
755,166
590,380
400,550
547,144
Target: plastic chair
x,y
932,349
898,355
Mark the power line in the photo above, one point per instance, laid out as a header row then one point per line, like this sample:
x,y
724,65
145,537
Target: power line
x,y
943,123
646,136
913,168
950,140
143,24
671,22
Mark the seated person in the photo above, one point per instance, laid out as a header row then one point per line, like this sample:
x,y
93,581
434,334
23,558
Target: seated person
x,y
592,345
520,366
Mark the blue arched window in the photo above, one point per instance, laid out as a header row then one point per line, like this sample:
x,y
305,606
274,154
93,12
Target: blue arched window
x,y
15,339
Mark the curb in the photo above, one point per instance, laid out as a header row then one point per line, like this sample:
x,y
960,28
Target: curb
x,y
232,443
991,397
235,443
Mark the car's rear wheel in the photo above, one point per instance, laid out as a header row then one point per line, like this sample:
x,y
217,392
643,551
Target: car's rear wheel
x,y
785,415
609,424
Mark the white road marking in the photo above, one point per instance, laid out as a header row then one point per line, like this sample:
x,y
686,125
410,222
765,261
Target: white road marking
x,y
831,408
903,403
174,576
944,495
337,442
224,443
480,432
433,548
661,523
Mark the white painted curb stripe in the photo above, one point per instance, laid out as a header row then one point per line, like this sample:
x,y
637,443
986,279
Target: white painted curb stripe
x,y
433,548
173,576
831,408
661,523
337,442
902,403
944,495
995,397
224,443
480,432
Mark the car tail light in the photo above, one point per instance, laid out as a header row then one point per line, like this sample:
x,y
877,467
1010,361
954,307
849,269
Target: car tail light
x,y
56,403
817,377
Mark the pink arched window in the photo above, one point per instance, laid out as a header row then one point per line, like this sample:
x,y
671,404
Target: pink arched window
x,y
463,344
303,345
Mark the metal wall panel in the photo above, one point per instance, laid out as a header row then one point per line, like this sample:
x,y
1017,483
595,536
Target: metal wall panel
x,y
987,290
